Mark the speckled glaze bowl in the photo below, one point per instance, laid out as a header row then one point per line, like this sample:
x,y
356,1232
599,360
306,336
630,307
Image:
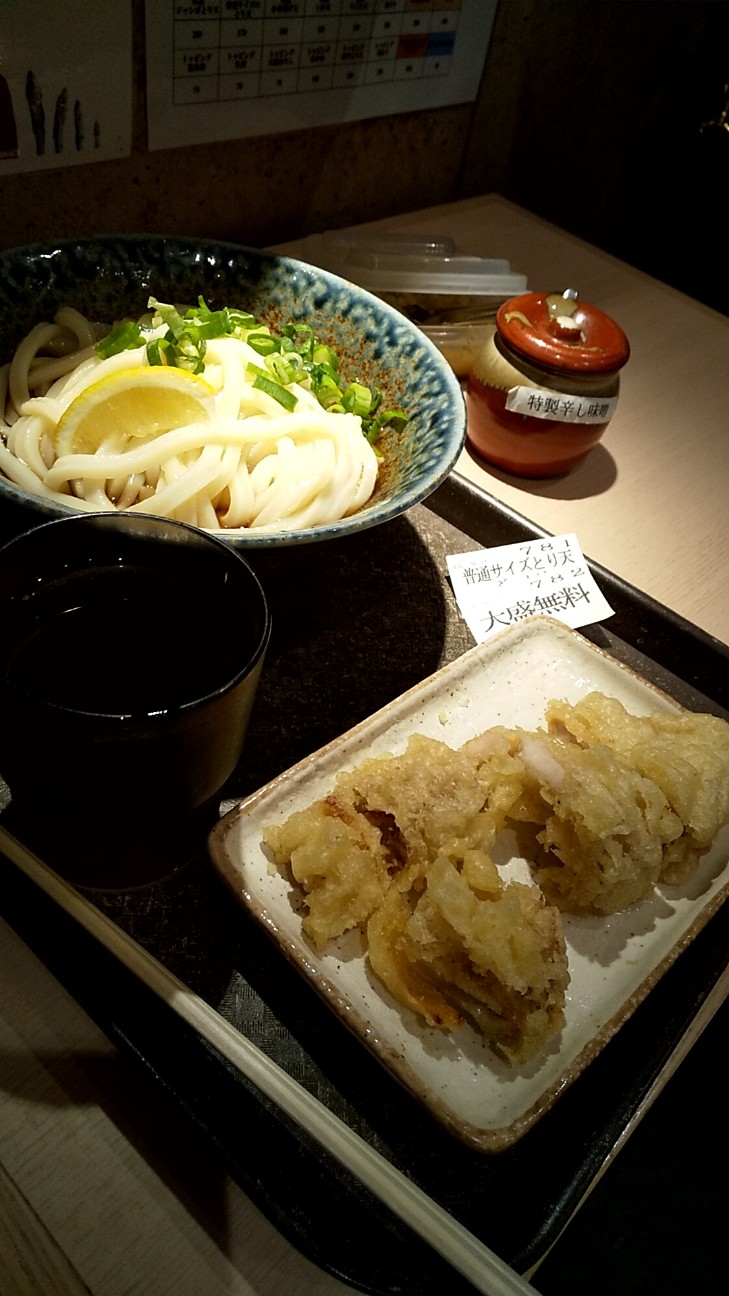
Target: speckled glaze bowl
x,y
110,277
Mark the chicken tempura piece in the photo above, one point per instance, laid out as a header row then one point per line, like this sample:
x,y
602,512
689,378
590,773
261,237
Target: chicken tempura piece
x,y
605,827
499,960
403,845
685,754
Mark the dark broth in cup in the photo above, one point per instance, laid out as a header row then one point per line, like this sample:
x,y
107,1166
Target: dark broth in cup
x,y
130,652
119,641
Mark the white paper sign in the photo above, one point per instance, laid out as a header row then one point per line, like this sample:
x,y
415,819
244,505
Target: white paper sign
x,y
563,408
225,69
549,576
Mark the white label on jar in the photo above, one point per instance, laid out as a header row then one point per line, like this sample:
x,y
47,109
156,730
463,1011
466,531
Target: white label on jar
x,y
541,403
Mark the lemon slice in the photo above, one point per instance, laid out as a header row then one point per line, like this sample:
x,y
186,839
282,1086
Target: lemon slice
x,y
140,402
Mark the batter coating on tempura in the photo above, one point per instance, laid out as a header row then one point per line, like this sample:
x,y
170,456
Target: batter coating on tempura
x,y
685,755
402,849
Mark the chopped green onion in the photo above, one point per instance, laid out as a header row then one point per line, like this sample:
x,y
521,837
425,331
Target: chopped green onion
x,y
242,321
286,368
393,419
296,356
300,337
216,325
220,323
123,337
264,383
169,315
327,392
190,354
263,343
160,352
323,355
357,399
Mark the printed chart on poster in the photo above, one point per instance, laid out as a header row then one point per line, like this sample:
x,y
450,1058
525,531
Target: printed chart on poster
x,y
234,68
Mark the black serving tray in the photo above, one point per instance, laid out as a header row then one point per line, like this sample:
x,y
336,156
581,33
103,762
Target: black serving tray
x,y
356,622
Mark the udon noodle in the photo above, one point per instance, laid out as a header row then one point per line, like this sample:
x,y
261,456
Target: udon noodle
x,y
253,465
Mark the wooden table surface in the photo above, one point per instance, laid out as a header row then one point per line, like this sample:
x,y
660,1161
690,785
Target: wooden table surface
x,y
106,1190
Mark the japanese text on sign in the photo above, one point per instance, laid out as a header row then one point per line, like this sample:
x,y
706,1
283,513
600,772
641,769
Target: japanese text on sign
x,y
496,588
224,69
544,404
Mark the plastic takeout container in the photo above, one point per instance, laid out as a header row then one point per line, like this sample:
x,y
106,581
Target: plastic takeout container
x,y
452,297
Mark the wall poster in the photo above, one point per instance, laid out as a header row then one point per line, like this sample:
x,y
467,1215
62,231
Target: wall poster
x,y
65,83
224,69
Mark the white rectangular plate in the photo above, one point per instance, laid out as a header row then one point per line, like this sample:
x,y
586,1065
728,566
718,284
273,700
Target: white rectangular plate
x,y
613,961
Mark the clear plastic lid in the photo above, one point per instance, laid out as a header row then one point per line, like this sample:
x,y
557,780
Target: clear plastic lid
x,y
406,263
338,243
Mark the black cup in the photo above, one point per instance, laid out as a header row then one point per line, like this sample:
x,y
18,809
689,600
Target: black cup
x,y
130,653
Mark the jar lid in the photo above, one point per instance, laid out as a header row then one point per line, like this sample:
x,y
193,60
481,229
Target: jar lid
x,y
559,330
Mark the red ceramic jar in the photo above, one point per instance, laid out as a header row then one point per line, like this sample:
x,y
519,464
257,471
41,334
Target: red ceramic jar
x,y
545,386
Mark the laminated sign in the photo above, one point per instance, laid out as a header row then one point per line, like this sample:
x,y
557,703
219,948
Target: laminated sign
x,y
226,70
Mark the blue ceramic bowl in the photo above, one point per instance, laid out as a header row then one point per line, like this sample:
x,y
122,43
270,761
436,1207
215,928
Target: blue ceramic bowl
x,y
110,277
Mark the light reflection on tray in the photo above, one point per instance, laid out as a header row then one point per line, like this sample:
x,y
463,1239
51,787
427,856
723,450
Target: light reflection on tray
x,y
613,962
